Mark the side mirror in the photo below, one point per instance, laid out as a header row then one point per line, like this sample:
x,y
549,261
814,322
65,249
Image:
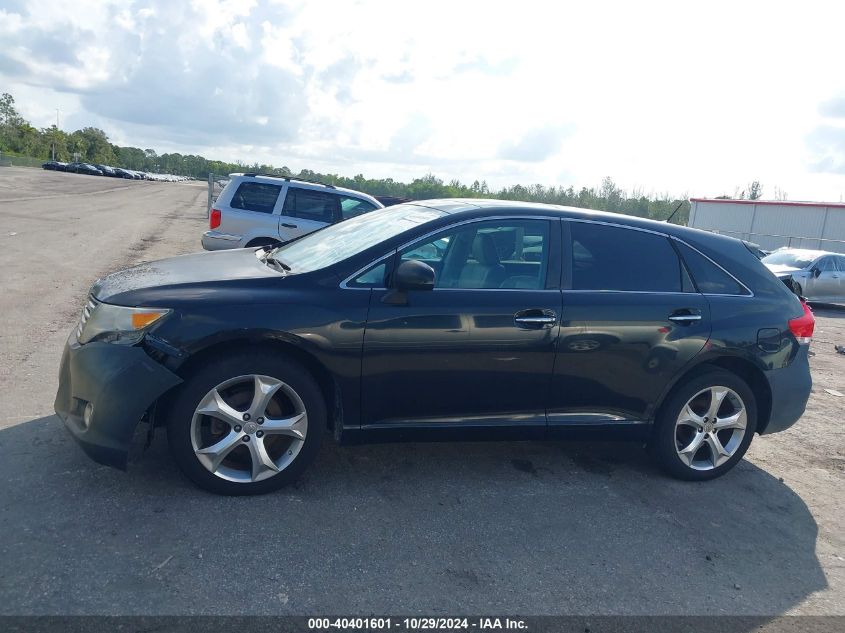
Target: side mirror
x,y
413,275
816,272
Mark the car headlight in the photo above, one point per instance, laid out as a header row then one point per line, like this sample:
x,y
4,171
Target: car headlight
x,y
118,324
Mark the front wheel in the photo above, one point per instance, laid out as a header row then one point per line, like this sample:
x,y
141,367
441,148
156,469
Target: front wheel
x,y
705,426
247,424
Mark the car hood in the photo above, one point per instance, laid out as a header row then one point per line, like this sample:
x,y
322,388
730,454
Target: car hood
x,y
781,269
199,268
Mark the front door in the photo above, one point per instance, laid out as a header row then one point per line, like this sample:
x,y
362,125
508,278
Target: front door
x,y
479,348
633,320
824,284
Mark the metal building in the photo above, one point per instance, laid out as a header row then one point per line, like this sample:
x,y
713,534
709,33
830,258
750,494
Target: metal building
x,y
772,224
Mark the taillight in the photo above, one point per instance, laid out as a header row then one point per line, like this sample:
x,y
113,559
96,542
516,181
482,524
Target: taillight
x,y
214,218
802,327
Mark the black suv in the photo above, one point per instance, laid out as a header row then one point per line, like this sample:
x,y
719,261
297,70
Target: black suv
x,y
444,319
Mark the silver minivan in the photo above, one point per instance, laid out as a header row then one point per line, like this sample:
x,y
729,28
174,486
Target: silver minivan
x,y
259,210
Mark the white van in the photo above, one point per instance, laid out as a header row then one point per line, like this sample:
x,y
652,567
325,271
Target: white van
x,y
261,210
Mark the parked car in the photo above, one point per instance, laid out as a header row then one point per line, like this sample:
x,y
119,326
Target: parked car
x,y
83,168
54,165
815,275
257,210
428,321
123,173
106,170
389,201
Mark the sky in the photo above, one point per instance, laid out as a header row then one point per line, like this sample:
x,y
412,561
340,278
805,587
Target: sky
x,y
675,98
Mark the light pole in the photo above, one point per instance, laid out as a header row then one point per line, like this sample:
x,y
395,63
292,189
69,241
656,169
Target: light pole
x,y
56,135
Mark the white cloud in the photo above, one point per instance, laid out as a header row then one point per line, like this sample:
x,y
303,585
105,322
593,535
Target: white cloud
x,y
663,96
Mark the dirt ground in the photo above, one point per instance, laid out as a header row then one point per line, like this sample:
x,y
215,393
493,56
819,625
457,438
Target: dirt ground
x,y
530,528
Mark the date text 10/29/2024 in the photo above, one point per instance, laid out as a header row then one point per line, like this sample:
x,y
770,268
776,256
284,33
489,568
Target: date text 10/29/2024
x,y
416,624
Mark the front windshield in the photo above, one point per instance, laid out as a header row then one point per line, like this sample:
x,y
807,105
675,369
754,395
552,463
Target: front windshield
x,y
335,243
793,260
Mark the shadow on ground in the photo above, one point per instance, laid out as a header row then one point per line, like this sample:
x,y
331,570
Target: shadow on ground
x,y
530,528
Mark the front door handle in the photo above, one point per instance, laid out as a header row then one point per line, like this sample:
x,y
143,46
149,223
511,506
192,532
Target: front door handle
x,y
535,319
684,317
289,226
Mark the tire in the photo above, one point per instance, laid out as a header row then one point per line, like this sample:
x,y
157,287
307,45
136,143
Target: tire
x,y
673,437
263,241
245,382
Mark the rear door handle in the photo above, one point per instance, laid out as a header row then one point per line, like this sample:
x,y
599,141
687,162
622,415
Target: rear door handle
x,y
535,319
684,317
289,226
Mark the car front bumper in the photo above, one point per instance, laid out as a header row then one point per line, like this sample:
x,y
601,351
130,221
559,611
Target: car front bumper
x,y
215,241
119,383
791,387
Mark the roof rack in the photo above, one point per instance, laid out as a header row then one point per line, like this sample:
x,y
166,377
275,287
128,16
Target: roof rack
x,y
289,178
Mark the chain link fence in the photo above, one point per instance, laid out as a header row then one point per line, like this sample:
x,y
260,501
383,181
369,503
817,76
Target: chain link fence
x,y
216,183
9,160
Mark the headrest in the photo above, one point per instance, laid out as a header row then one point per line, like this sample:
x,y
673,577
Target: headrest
x,y
484,249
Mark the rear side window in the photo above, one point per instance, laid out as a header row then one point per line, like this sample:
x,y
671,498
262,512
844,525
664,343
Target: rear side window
x,y
350,207
310,205
709,278
614,258
256,196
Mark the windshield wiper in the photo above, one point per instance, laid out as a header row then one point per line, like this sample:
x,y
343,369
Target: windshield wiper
x,y
278,264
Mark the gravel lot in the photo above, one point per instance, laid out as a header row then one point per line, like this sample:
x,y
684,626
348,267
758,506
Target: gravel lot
x,y
529,528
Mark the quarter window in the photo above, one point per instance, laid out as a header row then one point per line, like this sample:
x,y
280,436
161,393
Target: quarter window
x,y
310,205
709,278
373,278
613,258
256,196
507,254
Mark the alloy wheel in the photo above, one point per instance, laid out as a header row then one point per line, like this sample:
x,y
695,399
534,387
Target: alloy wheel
x,y
710,428
249,428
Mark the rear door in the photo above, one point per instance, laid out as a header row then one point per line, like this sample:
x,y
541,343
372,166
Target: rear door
x,y
250,210
306,210
632,320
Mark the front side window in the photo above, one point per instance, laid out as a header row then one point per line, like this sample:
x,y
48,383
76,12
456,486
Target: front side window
x,y
826,264
614,258
351,207
501,254
256,196
310,205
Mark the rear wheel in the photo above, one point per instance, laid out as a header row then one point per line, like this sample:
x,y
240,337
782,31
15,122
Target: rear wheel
x,y
705,426
248,424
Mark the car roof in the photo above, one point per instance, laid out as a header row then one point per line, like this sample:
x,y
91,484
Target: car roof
x,y
304,184
806,252
456,207
460,205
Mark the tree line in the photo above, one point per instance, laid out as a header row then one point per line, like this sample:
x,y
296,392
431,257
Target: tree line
x,y
19,137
